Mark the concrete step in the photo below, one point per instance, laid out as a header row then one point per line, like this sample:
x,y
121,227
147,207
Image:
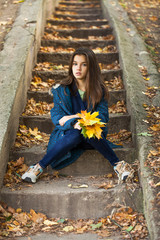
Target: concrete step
x,y
78,23
84,10
114,96
77,44
60,74
44,123
63,58
55,199
118,235
90,163
80,33
79,4
78,16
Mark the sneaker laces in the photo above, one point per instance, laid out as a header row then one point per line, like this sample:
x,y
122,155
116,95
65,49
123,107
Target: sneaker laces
x,y
124,171
36,169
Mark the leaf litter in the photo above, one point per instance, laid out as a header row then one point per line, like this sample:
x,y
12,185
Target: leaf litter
x,y
107,49
34,108
48,66
55,36
38,85
119,107
26,137
115,84
145,15
15,222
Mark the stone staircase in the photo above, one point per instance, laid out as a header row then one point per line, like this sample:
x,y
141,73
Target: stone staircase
x,y
74,24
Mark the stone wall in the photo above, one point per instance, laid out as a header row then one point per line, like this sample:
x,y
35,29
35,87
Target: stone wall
x,y
16,62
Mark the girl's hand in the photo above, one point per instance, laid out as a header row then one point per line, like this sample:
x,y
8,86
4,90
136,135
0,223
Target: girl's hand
x,y
66,118
77,126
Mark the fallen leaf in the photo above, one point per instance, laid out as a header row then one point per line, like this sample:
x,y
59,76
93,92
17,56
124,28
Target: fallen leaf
x,y
68,229
153,18
50,223
78,186
144,134
37,217
95,226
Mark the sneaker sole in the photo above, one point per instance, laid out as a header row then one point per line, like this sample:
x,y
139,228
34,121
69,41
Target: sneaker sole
x,y
27,179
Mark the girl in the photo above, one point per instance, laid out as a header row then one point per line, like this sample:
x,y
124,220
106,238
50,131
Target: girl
x,y
84,89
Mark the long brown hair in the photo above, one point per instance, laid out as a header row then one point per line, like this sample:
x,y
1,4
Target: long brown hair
x,y
95,86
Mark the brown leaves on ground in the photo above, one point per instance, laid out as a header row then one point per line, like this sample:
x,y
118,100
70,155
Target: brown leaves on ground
x,y
107,49
123,136
26,137
145,15
113,66
66,13
153,121
47,66
119,107
55,36
34,108
67,27
57,50
130,222
115,84
89,5
151,90
153,158
15,169
15,222
18,223
38,85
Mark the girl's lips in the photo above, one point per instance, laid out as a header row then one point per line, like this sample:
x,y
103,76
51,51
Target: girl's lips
x,y
78,73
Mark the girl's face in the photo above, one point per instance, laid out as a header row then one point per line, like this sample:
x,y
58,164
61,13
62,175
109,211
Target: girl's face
x,y
79,67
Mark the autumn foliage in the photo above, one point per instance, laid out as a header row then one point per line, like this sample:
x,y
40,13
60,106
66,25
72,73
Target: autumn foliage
x,y
90,124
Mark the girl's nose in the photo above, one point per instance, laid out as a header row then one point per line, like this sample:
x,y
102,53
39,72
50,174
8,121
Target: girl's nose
x,y
78,67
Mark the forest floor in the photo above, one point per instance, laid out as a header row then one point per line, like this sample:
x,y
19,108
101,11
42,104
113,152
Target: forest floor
x,y
8,13
145,16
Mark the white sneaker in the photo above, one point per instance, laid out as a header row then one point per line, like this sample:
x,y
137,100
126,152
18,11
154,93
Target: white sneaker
x,y
32,173
123,170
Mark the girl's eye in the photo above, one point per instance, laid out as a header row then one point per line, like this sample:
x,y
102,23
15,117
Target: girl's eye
x,y
74,64
84,64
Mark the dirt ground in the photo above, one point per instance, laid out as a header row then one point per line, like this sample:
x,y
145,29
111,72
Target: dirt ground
x,y
145,14
8,12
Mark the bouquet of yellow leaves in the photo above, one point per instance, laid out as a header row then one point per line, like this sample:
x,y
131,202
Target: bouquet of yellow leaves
x,y
90,124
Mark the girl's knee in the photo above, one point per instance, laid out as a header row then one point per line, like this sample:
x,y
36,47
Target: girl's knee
x,y
73,135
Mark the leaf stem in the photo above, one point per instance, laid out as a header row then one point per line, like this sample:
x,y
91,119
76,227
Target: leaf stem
x,y
121,228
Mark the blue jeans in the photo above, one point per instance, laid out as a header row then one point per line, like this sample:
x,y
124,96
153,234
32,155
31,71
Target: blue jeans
x,y
72,139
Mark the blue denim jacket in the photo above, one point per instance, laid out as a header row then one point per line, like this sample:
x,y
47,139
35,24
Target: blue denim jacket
x,y
63,106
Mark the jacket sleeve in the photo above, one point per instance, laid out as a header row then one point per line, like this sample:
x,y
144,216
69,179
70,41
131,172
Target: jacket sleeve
x,y
102,108
57,112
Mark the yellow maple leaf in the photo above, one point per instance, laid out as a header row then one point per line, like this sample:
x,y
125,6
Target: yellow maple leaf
x,y
90,131
91,125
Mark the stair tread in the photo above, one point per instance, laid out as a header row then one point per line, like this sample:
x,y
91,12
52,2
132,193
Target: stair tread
x,y
70,31
66,202
76,43
65,71
61,185
59,21
114,95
